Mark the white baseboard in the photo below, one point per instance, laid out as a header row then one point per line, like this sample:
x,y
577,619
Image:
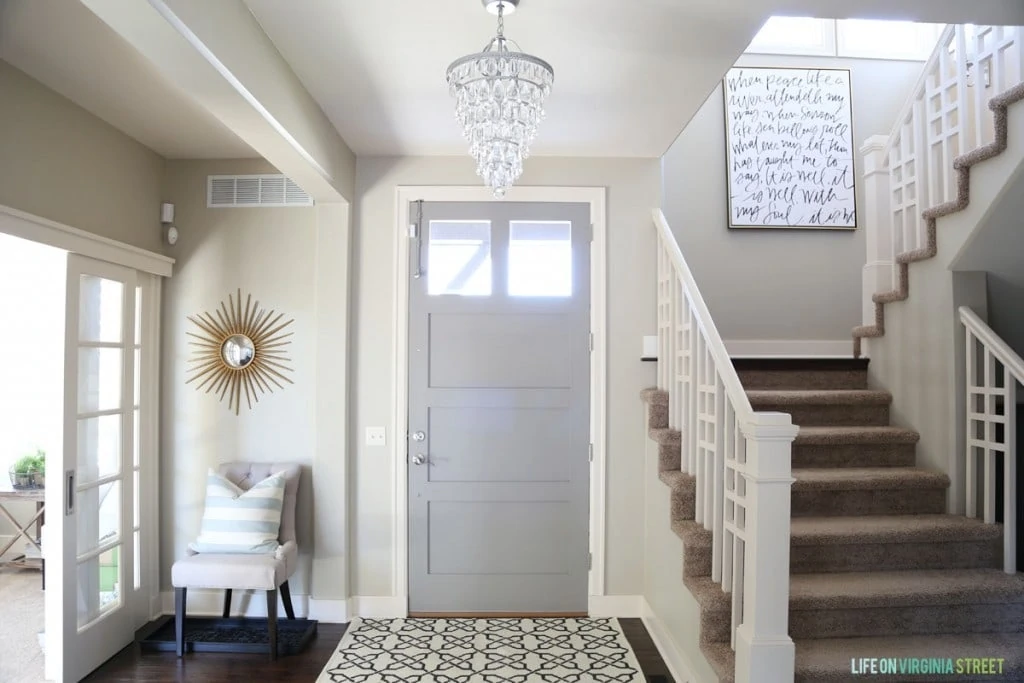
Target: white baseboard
x,y
208,603
790,348
678,664
626,606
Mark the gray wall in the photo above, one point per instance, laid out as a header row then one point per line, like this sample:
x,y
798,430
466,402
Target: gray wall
x,y
60,162
775,284
998,249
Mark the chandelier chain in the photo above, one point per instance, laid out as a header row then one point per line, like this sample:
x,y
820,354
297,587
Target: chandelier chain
x,y
501,20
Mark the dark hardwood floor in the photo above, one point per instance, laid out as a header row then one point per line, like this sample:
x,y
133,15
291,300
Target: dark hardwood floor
x,y
132,666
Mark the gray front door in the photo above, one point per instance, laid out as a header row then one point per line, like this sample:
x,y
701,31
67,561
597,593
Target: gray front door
x,y
499,408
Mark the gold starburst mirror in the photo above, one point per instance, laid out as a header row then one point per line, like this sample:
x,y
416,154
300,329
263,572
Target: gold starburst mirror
x,y
239,351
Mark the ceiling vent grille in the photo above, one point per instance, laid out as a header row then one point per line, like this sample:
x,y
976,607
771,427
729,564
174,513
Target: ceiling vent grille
x,y
229,191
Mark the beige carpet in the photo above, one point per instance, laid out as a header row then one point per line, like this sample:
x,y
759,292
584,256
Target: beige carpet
x,y
21,620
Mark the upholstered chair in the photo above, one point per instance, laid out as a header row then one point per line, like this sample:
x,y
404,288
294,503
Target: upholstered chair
x,y
227,571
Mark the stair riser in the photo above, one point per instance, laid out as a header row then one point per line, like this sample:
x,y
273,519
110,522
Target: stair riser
x,y
868,502
813,559
854,455
683,504
657,416
777,380
891,621
668,457
807,559
831,415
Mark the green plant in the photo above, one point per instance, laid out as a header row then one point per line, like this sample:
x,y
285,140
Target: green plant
x,y
33,462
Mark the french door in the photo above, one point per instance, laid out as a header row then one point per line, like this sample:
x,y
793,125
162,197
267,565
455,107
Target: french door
x,y
94,520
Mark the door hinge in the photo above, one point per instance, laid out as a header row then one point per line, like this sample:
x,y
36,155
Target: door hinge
x,y
590,560
591,452
591,232
591,341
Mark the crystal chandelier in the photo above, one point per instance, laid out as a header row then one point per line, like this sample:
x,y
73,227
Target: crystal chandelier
x,y
499,100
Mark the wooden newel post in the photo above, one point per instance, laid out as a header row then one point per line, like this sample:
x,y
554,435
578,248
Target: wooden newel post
x,y
764,650
878,275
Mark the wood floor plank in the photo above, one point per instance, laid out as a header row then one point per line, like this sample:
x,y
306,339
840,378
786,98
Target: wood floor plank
x,y
131,665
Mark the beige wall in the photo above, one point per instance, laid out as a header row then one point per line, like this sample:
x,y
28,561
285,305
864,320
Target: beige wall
x,y
775,284
265,252
632,193
60,162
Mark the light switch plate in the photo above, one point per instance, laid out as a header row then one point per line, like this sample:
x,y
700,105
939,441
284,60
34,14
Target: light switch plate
x,y
376,436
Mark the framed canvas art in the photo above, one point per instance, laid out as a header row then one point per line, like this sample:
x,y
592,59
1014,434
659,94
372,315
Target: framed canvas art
x,y
789,148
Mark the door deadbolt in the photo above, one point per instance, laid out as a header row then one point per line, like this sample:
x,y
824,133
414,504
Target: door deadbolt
x,y
419,436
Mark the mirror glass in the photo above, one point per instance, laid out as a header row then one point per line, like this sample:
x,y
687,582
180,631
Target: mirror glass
x,y
237,351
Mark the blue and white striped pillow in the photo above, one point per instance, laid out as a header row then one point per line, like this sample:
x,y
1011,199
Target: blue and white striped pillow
x,y
237,521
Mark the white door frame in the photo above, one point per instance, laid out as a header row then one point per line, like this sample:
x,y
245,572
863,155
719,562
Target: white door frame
x,y
596,198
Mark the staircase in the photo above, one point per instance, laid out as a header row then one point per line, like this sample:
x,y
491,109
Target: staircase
x,y
877,569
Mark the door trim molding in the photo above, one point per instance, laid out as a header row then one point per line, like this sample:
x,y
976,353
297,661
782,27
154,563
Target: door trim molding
x,y
596,198
42,230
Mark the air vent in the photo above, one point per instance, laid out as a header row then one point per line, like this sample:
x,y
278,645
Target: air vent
x,y
227,191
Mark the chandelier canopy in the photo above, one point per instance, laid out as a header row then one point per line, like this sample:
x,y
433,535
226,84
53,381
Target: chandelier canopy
x,y
499,100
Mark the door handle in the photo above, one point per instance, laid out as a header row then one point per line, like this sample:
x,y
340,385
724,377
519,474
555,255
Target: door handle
x,y
69,492
419,459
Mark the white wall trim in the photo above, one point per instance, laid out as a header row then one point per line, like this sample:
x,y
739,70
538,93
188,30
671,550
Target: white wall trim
x,y
790,348
596,198
678,664
207,602
54,234
621,606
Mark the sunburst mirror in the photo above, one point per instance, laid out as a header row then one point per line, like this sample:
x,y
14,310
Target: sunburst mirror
x,y
239,351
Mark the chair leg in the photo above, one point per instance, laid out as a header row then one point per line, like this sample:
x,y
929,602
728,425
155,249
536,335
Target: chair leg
x,y
272,622
286,598
179,620
227,603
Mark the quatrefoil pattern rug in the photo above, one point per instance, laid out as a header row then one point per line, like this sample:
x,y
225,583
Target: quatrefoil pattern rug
x,y
483,651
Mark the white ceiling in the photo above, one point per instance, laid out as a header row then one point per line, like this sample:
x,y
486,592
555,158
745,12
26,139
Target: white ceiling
x,y
66,47
628,73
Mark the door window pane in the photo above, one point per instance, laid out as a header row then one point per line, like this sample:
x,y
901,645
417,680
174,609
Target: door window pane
x,y
459,258
99,516
540,258
100,310
99,379
99,447
99,586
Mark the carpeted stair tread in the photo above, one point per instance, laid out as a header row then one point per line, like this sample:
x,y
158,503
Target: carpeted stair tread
x,y
890,529
867,478
665,436
826,436
860,590
692,533
654,396
796,397
675,479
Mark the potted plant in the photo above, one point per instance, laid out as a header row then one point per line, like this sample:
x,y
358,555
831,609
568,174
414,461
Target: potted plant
x,y
29,470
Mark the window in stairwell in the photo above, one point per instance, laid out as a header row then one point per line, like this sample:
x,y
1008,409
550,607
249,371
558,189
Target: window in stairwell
x,y
855,38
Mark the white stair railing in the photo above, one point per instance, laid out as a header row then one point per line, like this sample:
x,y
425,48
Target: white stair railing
x,y
741,462
946,115
992,371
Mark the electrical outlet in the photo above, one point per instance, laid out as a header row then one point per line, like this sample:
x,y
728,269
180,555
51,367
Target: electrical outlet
x,y
376,436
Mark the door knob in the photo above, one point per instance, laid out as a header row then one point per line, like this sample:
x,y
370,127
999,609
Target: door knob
x,y
419,459
419,436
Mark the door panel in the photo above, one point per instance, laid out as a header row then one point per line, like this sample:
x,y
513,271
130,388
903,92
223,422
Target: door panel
x,y
94,532
499,387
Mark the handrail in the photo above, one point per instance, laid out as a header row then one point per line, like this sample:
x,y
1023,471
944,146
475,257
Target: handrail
x,y
917,91
992,371
738,462
995,344
730,379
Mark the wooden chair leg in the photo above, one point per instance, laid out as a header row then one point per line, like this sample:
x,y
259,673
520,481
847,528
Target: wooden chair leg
x,y
286,598
272,623
179,620
227,603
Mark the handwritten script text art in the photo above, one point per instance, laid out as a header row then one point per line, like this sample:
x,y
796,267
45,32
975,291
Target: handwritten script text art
x,y
789,138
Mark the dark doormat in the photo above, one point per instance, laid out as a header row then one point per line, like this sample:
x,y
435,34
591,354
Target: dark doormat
x,y
210,634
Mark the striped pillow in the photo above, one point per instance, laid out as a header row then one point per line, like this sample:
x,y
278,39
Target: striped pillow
x,y
237,521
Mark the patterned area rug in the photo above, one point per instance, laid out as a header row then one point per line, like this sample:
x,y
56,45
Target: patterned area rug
x,y
483,651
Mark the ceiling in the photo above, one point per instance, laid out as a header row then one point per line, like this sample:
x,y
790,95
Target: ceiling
x,y
66,47
628,74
